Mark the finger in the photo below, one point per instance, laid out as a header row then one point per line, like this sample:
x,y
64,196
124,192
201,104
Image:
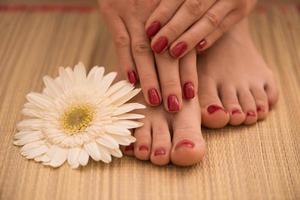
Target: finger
x,y
189,12
188,74
168,70
161,15
207,24
144,61
224,26
121,41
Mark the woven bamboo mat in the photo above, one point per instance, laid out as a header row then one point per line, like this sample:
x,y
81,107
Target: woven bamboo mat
x,y
254,162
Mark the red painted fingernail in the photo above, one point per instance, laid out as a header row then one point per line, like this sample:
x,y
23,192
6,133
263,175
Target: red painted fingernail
x,y
251,114
153,97
160,44
132,77
260,109
160,152
188,90
186,143
236,111
201,44
129,148
153,29
173,103
143,148
214,108
179,49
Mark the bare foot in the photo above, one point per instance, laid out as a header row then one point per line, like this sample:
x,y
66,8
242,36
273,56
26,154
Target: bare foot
x,y
235,85
169,137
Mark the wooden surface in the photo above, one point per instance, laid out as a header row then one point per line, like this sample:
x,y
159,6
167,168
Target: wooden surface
x,y
255,162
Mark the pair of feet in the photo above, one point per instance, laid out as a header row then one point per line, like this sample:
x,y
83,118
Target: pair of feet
x,y
235,87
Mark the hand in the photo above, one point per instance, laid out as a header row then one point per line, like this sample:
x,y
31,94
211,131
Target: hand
x,y
126,20
185,24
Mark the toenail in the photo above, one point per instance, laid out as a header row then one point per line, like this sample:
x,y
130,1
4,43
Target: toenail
x,y
160,152
143,148
186,143
251,114
214,108
188,90
236,111
173,104
129,148
260,109
153,96
132,78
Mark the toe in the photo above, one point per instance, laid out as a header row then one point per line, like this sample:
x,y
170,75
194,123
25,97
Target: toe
x,y
128,150
248,105
231,103
188,146
212,110
261,101
272,93
142,146
161,142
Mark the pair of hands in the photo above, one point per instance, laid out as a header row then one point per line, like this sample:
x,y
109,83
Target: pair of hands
x,y
167,67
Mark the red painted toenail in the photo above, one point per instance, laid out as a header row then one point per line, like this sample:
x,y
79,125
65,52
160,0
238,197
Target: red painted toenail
x,y
179,49
132,78
153,29
153,97
160,44
201,45
236,111
186,143
143,148
214,108
173,104
188,90
129,148
251,114
160,152
260,109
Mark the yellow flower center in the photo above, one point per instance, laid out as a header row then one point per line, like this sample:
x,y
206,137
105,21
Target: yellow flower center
x,y
77,118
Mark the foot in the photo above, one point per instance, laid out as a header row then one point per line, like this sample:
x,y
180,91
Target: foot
x,y
168,137
235,85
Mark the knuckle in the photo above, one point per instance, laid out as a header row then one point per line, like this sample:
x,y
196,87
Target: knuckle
x,y
147,78
141,47
194,7
173,30
171,84
121,40
213,19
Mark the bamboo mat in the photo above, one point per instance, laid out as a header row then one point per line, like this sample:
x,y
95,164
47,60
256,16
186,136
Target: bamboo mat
x,y
254,162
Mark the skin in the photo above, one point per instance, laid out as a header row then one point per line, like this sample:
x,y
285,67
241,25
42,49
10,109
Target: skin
x,y
195,23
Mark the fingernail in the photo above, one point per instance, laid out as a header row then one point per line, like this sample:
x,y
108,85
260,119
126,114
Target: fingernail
x,y
260,109
179,49
143,148
201,44
251,114
153,29
160,44
173,103
132,77
153,97
214,108
188,90
236,111
129,148
186,143
160,152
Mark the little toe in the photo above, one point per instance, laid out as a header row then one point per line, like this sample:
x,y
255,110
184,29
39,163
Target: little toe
x,y
128,150
142,146
161,142
261,101
188,146
231,103
212,110
248,105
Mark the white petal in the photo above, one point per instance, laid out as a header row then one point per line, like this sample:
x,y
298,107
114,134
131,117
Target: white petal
x,y
59,157
42,158
96,74
121,93
32,153
105,155
124,140
106,82
128,124
117,130
39,100
130,116
54,89
127,97
127,108
31,124
116,152
32,145
116,87
73,157
30,137
83,157
92,149
32,113
80,72
107,141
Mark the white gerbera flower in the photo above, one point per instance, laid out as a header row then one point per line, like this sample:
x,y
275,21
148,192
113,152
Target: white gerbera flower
x,y
77,116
